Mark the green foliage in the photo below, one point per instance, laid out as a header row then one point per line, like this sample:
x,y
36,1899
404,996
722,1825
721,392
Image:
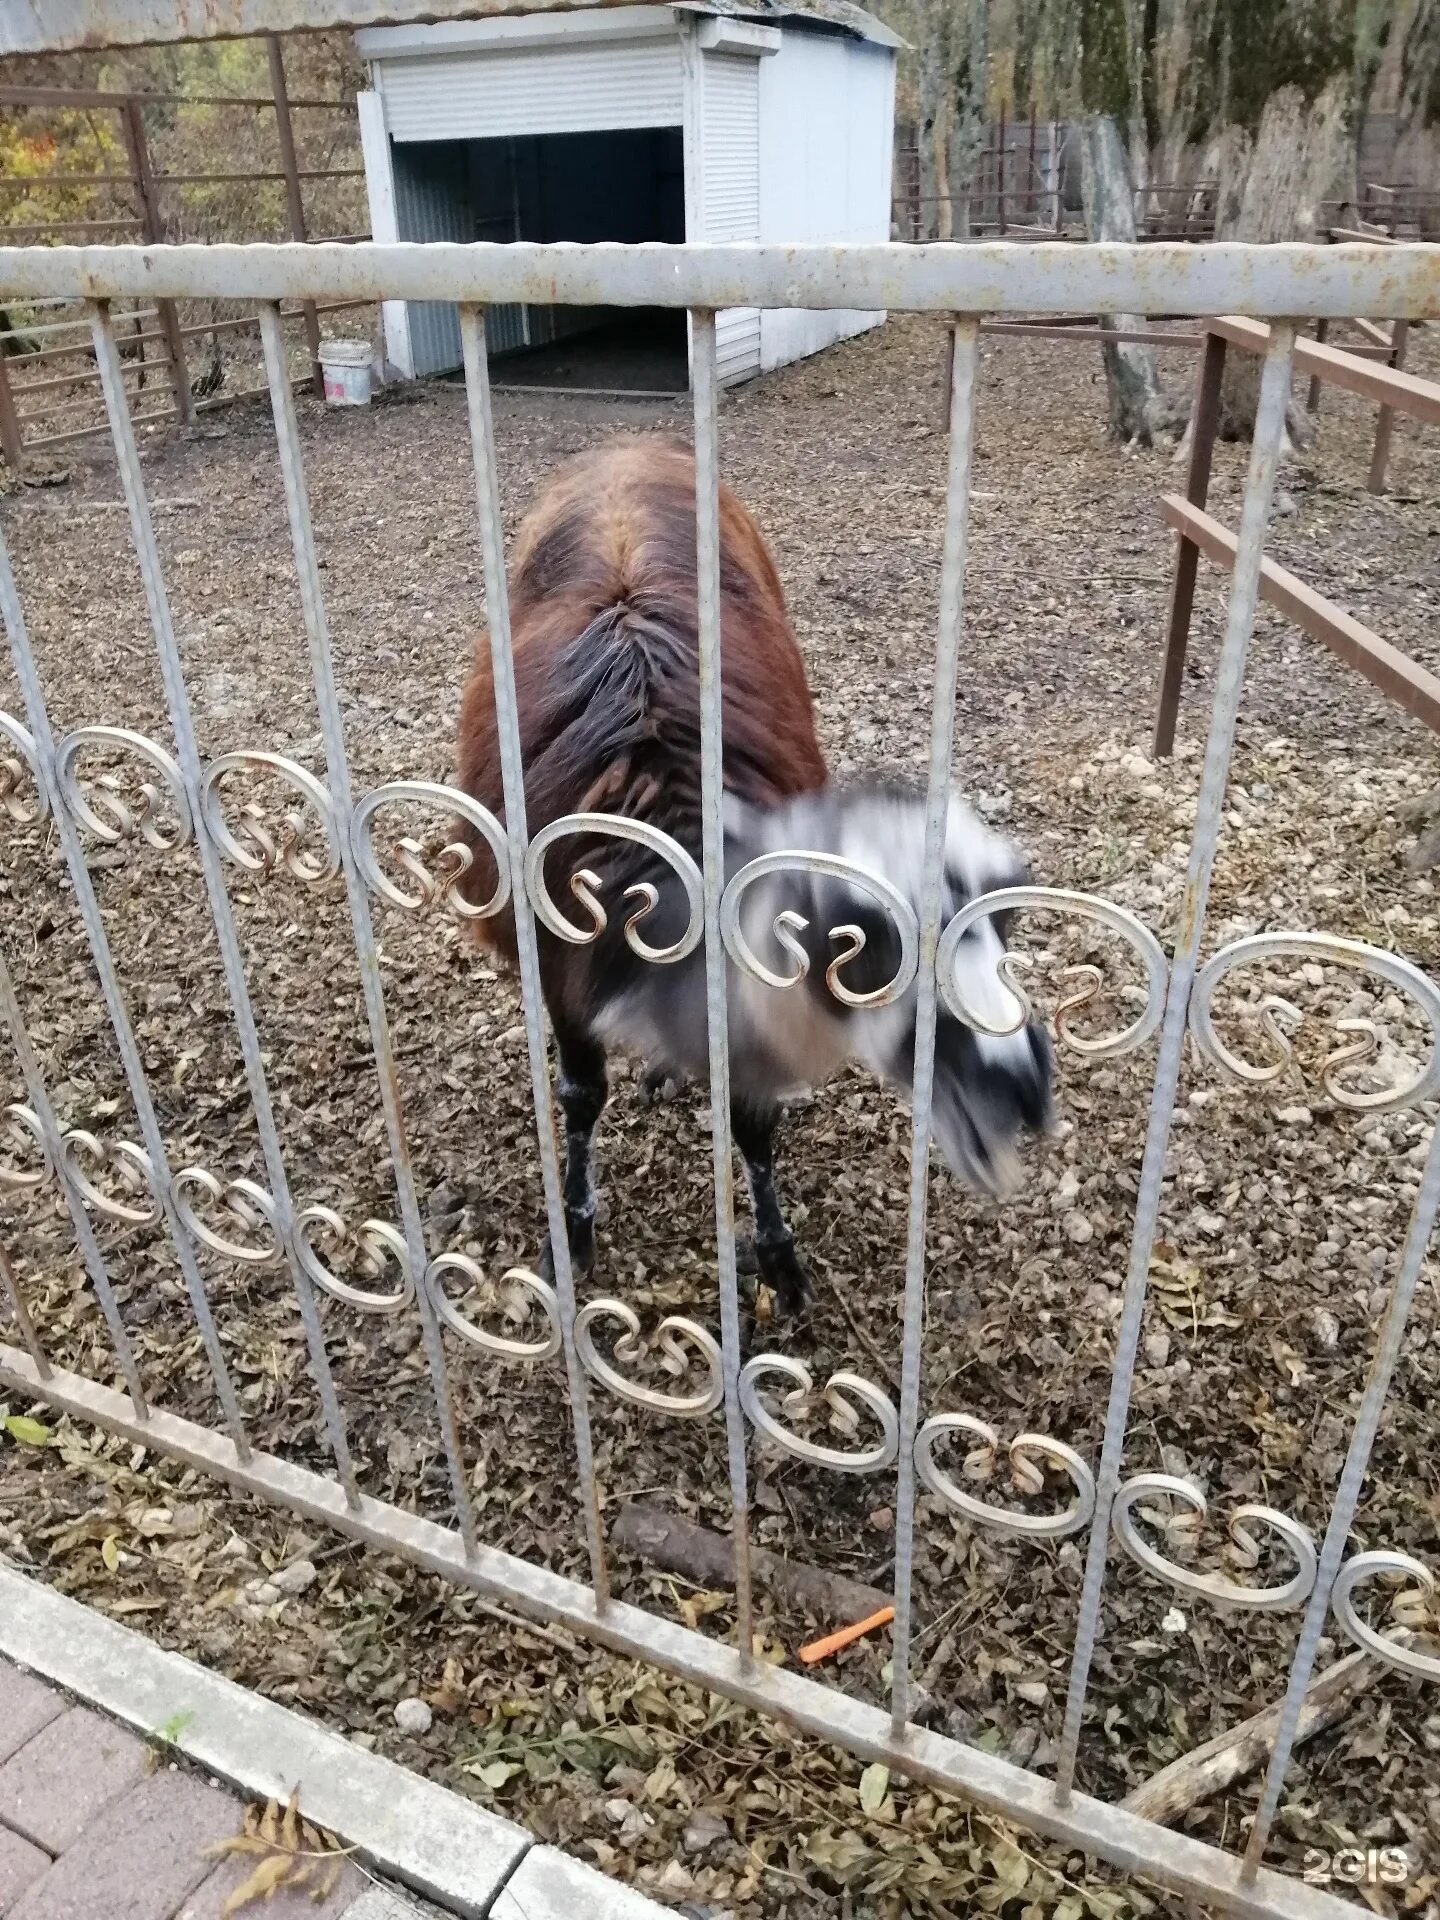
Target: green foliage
x,y
1104,58
1260,45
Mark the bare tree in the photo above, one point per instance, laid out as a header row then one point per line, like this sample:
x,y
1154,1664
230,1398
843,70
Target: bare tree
x,y
971,101
932,128
1139,409
1418,109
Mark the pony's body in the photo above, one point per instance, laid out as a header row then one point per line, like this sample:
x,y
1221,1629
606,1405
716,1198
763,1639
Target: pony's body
x,y
604,622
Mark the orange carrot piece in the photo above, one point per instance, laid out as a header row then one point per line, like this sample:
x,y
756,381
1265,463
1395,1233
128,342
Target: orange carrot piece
x,y
847,1636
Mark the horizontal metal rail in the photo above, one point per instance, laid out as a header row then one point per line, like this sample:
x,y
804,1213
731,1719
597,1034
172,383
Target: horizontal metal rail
x,y
1187,1865
1159,279
1400,678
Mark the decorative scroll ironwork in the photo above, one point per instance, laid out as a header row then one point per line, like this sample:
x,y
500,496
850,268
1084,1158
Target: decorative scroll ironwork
x,y
1028,1454
1244,1549
521,1289
244,1200
1086,906
1407,979
19,768
840,1393
585,882
100,807
24,1120
788,923
436,886
130,1165
673,1336
254,845
1375,1566
378,1245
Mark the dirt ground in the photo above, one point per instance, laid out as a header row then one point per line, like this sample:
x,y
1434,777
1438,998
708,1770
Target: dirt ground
x,y
1282,1220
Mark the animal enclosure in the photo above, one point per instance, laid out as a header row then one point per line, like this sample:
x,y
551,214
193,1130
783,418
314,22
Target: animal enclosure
x,y
329,834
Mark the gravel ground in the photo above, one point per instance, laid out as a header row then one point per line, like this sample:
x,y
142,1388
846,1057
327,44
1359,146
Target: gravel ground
x,y
1282,1218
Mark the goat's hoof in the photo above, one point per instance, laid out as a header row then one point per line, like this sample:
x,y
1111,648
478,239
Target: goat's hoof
x,y
784,1272
582,1252
658,1087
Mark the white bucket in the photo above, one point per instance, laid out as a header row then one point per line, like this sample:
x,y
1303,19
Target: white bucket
x,y
346,367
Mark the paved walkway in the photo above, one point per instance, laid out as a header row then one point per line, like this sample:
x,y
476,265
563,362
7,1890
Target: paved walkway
x,y
94,1827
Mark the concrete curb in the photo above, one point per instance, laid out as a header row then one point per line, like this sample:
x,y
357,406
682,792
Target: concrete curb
x,y
420,1834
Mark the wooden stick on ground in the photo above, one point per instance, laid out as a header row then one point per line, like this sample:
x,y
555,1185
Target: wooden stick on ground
x,y
1210,1769
708,1559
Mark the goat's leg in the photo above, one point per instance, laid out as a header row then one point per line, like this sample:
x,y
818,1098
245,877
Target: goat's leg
x,y
775,1256
582,1088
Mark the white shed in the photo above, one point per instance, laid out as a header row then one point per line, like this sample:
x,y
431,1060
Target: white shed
x,y
771,120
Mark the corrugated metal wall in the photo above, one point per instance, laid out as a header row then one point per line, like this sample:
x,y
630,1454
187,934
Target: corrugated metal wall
x,y
438,197
730,191
552,89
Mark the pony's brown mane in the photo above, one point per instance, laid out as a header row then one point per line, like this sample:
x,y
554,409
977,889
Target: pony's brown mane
x,y
604,619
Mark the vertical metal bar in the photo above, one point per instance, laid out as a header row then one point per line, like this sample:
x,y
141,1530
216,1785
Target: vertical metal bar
x,y
294,198
1204,423
1229,685
332,728
132,121
712,775
1347,1497
79,1219
93,920
1000,175
512,773
964,360
12,444
1317,385
11,1288
1385,420
187,753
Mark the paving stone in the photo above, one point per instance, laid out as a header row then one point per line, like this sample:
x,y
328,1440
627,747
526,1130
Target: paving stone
x,y
65,1775
290,1903
549,1885
379,1903
26,1705
140,1858
20,1863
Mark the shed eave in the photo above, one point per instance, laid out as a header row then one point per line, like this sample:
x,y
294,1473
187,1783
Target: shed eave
x,y
538,28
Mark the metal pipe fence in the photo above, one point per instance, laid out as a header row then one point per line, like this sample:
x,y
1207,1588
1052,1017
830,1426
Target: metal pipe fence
x,y
334,836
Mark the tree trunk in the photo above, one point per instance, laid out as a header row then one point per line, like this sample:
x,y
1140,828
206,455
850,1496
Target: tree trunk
x,y
1270,190
934,171
971,96
1138,43
1418,104
1139,410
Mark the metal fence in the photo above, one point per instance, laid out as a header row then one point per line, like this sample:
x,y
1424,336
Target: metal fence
x,y
43,777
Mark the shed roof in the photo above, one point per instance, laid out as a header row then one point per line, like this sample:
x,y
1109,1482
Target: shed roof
x,y
842,14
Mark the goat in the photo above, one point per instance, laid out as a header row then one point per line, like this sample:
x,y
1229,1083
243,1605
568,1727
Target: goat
x,y
604,613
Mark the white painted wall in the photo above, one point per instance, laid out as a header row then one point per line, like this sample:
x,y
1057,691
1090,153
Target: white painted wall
x,y
827,111
380,191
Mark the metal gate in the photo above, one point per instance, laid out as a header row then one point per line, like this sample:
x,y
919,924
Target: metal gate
x,y
43,777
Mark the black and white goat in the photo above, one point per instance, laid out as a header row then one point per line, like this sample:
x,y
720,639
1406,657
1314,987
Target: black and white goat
x,y
604,616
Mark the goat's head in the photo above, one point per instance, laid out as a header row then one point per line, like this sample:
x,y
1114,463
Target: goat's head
x,y
989,1085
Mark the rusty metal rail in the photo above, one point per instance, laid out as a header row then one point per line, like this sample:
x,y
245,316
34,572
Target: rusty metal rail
x,y
1402,679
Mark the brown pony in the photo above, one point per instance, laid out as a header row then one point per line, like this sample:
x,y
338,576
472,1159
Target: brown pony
x,y
604,618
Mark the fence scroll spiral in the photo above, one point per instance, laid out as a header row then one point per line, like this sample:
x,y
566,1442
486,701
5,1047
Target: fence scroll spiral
x,y
255,845
246,1203
840,1393
1277,1013
585,885
788,924
519,1287
1084,906
437,885
98,805
672,1337
379,1246
1026,1452
19,770
1376,1566
1245,1549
